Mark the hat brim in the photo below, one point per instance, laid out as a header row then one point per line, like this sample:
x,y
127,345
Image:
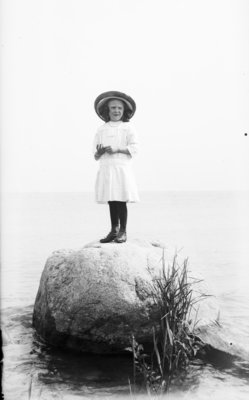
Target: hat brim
x,y
113,95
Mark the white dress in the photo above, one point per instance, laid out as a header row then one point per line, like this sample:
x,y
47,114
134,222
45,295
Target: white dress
x,y
115,180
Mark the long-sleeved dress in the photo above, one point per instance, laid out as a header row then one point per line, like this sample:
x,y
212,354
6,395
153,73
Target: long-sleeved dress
x,y
115,179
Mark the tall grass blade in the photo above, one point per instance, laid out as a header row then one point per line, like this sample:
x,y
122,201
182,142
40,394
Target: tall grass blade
x,y
173,338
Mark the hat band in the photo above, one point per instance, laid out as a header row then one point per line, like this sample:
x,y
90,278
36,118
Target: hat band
x,y
101,102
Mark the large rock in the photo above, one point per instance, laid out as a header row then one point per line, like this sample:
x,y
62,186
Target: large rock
x,y
93,299
219,338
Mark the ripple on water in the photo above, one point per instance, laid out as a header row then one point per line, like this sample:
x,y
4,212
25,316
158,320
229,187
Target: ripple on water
x,y
51,373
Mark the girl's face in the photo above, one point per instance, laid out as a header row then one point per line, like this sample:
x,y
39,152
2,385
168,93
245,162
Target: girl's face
x,y
116,110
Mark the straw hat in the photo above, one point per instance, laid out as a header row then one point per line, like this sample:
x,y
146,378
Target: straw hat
x,y
103,98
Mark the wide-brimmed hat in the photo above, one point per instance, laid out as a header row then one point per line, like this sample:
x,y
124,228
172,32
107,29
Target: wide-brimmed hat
x,y
103,98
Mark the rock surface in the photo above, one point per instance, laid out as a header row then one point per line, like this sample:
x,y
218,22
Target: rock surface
x,y
92,300
219,338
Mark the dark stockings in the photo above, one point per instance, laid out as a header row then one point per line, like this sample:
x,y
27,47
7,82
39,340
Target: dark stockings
x,y
118,214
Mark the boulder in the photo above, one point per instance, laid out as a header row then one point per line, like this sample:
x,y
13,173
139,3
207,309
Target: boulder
x,y
218,338
93,299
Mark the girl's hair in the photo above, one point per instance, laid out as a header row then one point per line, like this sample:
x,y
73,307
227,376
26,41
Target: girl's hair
x,y
104,111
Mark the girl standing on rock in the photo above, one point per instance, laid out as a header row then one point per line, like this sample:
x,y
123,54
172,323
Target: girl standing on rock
x,y
115,145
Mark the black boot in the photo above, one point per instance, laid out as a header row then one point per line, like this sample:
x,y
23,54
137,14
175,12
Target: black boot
x,y
111,235
121,237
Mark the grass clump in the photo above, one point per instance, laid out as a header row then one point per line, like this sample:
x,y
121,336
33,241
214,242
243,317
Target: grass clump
x,y
172,306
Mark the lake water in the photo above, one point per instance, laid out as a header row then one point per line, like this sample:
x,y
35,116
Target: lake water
x,y
210,228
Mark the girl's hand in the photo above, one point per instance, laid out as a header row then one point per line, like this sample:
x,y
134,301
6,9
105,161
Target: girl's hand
x,y
111,150
100,151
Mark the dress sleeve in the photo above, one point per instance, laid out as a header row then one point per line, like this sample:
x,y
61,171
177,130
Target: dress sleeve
x,y
132,141
96,141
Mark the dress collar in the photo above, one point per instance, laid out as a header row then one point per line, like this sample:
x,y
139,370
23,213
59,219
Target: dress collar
x,y
115,123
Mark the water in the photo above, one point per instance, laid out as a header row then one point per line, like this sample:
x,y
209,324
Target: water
x,y
211,228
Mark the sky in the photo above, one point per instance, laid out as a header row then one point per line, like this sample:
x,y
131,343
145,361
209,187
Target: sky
x,y
185,63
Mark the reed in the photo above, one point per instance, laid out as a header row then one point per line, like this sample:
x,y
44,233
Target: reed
x,y
172,302
30,387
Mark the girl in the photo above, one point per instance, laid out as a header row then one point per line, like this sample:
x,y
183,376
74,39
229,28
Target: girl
x,y
114,146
